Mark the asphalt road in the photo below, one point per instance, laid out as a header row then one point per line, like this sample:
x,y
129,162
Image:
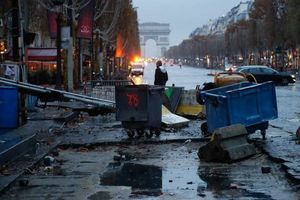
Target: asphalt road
x,y
187,77
96,160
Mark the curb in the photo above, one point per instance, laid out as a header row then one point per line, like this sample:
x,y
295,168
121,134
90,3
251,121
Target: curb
x,y
131,142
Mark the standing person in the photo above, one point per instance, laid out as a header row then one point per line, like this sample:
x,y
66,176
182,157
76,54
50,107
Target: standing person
x,y
161,74
160,78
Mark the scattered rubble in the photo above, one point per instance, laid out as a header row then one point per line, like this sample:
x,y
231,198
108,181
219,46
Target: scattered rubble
x,y
265,170
48,160
233,186
228,144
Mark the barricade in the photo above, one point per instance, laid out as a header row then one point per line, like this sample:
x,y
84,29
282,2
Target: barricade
x,y
228,144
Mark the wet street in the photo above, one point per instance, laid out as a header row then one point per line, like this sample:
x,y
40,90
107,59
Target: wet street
x,y
88,112
162,171
187,77
97,160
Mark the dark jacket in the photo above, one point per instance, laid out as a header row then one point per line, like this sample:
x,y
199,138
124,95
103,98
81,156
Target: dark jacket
x,y
161,76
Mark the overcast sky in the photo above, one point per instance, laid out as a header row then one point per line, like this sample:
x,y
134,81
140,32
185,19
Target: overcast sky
x,y
184,16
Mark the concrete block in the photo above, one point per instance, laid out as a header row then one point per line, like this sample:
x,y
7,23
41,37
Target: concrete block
x,y
228,144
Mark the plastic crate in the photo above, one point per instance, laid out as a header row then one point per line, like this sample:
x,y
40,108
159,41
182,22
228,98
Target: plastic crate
x,y
139,106
246,103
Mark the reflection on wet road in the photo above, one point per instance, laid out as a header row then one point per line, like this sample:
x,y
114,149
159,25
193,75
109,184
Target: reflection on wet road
x,y
153,171
144,179
138,80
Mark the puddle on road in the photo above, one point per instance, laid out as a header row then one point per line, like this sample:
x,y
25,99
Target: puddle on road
x,y
211,181
143,179
216,178
219,180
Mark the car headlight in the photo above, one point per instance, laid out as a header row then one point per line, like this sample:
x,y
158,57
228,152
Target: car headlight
x,y
293,76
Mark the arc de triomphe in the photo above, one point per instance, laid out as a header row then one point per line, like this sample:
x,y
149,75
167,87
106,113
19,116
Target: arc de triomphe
x,y
158,32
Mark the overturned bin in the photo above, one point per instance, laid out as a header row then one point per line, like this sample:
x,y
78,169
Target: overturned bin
x,y
138,107
249,104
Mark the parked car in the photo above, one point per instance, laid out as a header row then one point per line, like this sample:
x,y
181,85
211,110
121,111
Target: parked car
x,y
264,73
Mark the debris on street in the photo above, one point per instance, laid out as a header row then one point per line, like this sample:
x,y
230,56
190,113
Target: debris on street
x,y
228,144
172,120
265,170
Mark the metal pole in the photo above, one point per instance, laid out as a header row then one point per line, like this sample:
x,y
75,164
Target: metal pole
x,y
18,42
23,61
70,49
70,65
15,31
63,94
58,60
80,71
92,57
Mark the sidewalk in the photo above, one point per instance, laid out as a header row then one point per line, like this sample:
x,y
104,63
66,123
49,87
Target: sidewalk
x,y
24,146
46,133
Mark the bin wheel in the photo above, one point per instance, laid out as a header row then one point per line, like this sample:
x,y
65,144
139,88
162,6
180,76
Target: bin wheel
x,y
140,132
204,129
155,131
149,133
130,133
263,133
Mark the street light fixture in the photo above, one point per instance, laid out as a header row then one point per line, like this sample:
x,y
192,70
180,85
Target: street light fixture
x,y
2,50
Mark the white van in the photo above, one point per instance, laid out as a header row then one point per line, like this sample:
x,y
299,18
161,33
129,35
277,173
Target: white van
x,y
137,69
